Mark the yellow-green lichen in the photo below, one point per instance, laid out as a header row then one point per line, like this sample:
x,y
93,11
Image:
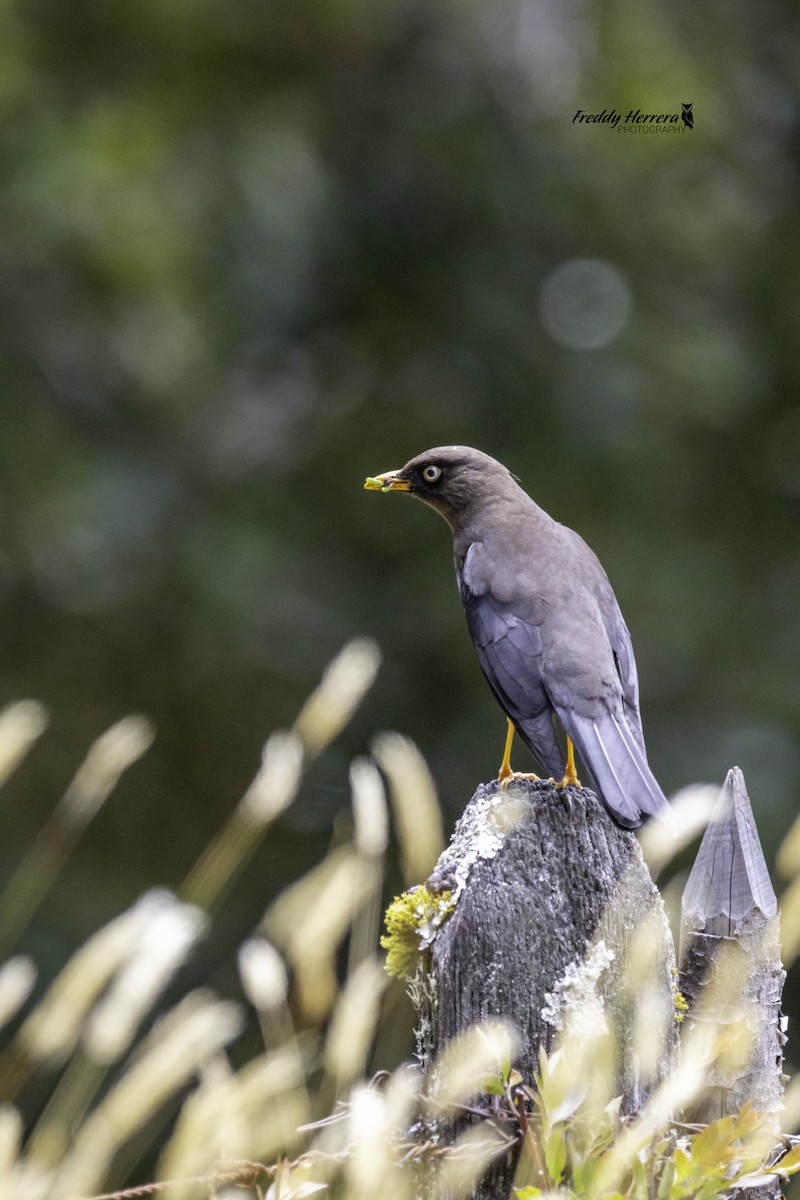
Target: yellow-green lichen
x,y
680,1004
411,922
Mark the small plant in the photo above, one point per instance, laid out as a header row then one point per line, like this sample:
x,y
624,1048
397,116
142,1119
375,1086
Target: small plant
x,y
577,1150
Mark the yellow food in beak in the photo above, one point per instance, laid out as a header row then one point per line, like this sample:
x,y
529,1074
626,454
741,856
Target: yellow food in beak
x,y
390,481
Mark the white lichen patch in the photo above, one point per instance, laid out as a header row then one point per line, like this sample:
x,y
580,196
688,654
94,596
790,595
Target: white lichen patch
x,y
425,998
574,1003
479,834
431,919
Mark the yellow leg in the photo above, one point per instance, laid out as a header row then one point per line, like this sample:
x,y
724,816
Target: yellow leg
x,y
505,774
570,774
505,766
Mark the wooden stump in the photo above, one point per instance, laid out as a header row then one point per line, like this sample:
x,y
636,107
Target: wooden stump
x,y
553,903
731,969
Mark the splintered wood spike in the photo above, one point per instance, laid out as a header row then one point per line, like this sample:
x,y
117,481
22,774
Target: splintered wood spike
x,y
729,881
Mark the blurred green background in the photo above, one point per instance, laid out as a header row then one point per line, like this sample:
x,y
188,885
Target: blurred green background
x,y
253,252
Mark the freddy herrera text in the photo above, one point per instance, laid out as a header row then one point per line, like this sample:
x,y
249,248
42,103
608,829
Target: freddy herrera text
x,y
633,121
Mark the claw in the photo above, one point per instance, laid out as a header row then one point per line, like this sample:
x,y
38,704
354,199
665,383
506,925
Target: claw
x,y
570,778
512,775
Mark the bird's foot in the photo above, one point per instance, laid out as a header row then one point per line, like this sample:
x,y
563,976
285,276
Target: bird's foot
x,y
570,777
504,778
505,775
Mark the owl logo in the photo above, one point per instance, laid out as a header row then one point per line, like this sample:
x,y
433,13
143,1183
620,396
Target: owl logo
x,y
686,116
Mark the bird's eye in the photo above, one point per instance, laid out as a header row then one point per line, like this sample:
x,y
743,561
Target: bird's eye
x,y
431,474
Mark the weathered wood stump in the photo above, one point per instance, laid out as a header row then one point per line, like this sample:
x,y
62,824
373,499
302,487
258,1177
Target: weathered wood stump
x,y
555,916
731,971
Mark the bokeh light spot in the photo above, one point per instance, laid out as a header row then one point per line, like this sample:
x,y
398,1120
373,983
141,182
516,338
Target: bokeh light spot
x,y
584,304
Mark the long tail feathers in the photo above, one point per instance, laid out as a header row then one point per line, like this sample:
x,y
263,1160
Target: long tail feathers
x,y
619,768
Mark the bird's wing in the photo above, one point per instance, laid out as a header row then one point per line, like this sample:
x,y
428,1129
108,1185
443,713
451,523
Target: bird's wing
x,y
510,652
622,649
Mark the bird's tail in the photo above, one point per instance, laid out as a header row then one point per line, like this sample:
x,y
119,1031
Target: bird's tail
x,y
618,767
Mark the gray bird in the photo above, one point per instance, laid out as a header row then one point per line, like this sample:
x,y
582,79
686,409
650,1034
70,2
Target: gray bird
x,y
546,625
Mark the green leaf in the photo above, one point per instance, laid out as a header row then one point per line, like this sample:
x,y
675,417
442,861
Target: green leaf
x,y
666,1180
747,1121
555,1155
790,1163
683,1164
714,1184
640,1181
494,1085
570,1104
715,1144
583,1174
527,1193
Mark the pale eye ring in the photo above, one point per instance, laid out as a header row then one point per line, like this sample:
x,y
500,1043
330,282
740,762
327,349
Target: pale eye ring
x,y
431,474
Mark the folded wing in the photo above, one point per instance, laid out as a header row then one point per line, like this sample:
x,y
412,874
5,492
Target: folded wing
x,y
510,653
606,729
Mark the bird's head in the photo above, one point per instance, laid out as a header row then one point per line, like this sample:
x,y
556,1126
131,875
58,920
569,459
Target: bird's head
x,y
450,480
